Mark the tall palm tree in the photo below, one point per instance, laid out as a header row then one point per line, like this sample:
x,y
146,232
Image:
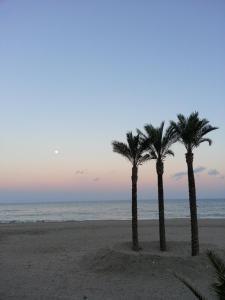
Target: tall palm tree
x,y
134,152
159,148
191,132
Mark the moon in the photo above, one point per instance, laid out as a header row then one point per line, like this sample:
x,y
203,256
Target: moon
x,y
56,151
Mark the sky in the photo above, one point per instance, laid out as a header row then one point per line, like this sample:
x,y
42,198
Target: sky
x,y
75,75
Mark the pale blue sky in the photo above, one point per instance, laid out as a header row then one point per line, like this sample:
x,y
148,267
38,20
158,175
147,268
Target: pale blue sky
x,y
75,75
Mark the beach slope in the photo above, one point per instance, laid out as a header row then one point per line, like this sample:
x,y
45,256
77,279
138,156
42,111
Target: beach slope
x,y
93,260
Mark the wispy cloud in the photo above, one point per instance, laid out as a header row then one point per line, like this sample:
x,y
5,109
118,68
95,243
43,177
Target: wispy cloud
x,y
179,175
216,173
210,172
96,179
199,170
213,172
81,172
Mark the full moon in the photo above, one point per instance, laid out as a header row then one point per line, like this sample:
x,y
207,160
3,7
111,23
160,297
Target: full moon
x,y
56,151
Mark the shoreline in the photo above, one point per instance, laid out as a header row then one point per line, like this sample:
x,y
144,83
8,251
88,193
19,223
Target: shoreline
x,y
104,220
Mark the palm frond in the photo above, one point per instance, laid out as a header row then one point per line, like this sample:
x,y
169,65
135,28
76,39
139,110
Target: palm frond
x,y
206,129
191,130
219,265
181,118
143,159
159,142
170,137
202,140
169,152
160,131
134,150
217,262
132,143
153,154
219,286
141,134
190,286
122,149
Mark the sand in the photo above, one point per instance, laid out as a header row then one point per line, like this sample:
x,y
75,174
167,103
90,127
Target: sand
x,y
93,260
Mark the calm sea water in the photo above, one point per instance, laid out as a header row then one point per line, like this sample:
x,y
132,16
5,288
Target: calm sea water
x,y
105,210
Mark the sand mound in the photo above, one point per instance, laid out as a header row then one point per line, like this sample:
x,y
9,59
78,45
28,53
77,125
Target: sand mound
x,y
174,249
120,258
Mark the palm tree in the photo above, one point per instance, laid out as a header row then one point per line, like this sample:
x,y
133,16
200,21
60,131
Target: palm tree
x,y
134,152
159,148
191,133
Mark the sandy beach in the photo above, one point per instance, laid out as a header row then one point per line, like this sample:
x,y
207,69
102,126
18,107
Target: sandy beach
x,y
93,260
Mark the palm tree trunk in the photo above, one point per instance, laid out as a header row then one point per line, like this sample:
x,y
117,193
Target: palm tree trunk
x,y
134,179
193,205
162,233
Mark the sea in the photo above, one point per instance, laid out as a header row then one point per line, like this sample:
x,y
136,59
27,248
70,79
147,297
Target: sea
x,y
105,210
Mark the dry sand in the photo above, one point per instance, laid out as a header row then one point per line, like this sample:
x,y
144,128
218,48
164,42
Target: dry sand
x,y
93,260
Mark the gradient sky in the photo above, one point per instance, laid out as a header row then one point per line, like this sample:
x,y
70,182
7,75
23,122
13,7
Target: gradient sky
x,y
75,75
